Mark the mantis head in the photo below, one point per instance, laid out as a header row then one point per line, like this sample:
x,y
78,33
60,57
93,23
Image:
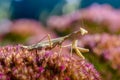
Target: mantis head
x,y
83,31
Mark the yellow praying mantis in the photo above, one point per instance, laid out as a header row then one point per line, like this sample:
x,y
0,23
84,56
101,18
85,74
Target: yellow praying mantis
x,y
51,43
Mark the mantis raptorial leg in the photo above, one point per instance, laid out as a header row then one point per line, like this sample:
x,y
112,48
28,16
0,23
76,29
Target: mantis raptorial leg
x,y
78,50
74,46
83,49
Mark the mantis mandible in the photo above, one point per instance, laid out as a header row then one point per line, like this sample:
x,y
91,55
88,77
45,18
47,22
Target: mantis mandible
x,y
51,43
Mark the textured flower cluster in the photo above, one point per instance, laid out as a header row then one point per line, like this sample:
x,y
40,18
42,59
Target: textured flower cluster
x,y
23,30
102,15
17,63
105,45
31,28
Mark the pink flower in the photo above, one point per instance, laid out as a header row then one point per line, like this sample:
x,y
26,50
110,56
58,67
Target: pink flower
x,y
41,69
41,64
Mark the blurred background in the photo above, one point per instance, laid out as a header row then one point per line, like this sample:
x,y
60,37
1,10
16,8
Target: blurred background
x,y
29,21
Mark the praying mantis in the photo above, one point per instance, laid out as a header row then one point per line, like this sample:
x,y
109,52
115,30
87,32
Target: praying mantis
x,y
51,43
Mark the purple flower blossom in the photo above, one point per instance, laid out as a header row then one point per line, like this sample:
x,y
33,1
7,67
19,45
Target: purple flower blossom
x,y
48,53
106,55
1,75
41,69
29,65
62,68
107,46
67,78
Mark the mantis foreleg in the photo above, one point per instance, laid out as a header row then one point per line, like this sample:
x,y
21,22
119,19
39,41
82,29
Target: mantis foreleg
x,y
74,46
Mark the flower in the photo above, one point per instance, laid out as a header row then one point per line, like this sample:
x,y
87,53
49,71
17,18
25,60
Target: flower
x,y
104,45
21,64
41,69
104,16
